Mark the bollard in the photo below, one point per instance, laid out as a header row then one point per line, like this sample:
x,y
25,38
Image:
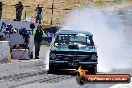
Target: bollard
x,y
9,56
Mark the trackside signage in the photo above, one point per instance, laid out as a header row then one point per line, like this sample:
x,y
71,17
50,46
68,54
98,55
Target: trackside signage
x,y
82,78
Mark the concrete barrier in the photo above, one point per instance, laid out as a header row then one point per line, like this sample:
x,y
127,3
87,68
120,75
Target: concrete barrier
x,y
4,51
18,24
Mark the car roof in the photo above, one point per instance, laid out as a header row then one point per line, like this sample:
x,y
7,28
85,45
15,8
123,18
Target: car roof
x,y
73,32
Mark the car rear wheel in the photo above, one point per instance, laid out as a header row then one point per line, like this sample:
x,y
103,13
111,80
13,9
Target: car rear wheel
x,y
52,69
91,70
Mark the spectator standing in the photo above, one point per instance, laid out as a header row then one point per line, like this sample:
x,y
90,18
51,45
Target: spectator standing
x,y
0,9
32,26
39,14
19,8
3,26
9,28
26,37
38,37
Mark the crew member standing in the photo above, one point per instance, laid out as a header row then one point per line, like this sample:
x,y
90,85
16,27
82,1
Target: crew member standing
x,y
32,26
38,37
19,8
0,9
9,28
39,14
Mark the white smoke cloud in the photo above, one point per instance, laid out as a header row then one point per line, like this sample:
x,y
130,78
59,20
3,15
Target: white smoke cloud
x,y
113,50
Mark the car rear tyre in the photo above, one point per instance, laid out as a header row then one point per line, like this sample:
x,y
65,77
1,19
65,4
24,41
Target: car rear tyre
x,y
52,69
91,70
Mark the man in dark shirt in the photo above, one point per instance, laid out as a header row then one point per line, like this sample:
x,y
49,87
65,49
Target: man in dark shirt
x,y
38,37
19,8
0,9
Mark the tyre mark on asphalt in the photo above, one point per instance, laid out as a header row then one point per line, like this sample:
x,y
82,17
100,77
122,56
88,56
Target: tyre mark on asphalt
x,y
56,79
49,78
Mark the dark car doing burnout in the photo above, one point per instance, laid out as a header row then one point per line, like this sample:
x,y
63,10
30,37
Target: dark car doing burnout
x,y
71,49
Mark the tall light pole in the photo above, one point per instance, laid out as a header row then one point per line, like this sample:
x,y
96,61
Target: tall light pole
x,y
52,8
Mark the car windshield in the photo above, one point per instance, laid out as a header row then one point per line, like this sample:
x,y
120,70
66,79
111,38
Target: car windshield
x,y
73,38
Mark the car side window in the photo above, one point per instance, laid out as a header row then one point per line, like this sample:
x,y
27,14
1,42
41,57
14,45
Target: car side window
x,y
88,41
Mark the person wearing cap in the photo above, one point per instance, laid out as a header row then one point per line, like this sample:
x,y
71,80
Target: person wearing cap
x,y
38,37
39,13
9,28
